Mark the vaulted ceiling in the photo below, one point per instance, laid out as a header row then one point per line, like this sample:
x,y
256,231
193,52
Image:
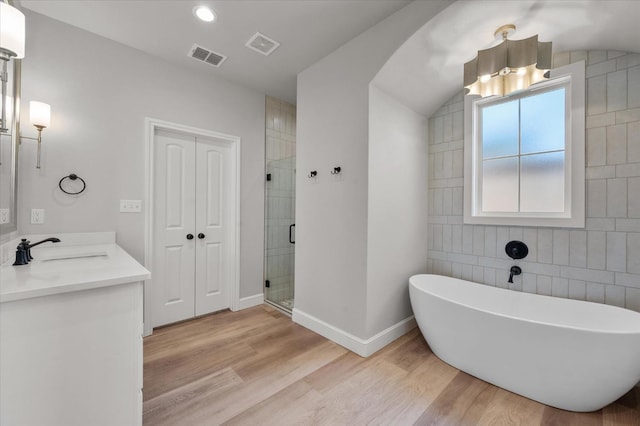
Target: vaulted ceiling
x,y
427,69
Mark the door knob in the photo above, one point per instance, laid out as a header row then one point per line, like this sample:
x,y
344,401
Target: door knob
x,y
189,236
201,235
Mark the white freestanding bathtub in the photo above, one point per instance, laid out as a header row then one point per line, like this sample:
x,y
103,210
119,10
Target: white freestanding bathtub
x,y
574,355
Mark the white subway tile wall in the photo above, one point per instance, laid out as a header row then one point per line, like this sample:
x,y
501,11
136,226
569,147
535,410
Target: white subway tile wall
x,y
600,263
280,200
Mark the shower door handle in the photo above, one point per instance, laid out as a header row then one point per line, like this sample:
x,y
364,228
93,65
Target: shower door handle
x,y
291,233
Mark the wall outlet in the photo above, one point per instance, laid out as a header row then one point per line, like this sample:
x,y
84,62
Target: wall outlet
x,y
37,216
4,216
130,206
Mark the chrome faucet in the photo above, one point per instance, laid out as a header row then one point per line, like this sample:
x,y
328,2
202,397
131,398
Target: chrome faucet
x,y
23,251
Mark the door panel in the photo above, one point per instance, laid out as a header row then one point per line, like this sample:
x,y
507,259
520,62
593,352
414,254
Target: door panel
x,y
174,193
172,268
173,219
213,282
215,250
214,188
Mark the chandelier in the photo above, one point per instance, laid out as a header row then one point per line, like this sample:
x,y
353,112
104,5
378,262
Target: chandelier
x,y
508,67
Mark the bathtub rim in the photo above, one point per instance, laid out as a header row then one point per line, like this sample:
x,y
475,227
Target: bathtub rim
x,y
525,294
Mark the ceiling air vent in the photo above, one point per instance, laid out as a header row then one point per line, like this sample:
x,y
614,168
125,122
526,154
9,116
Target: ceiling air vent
x,y
206,55
262,44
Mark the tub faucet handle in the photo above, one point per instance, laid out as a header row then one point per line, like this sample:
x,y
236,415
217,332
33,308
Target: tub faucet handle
x,y
515,270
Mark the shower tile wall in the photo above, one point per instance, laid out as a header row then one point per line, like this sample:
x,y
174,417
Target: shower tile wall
x,y
600,263
280,200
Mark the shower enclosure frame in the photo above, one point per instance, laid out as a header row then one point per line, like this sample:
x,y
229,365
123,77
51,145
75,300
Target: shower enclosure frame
x,y
280,168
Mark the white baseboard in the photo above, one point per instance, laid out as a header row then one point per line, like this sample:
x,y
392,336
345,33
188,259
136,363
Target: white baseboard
x,y
250,301
243,303
355,344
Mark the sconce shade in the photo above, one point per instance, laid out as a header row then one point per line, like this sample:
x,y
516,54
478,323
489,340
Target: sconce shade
x,y
510,66
11,31
9,108
39,114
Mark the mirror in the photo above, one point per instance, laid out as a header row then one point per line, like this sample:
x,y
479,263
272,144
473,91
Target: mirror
x,y
9,143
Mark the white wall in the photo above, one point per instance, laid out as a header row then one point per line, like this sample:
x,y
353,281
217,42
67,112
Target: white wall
x,y
397,228
331,211
100,92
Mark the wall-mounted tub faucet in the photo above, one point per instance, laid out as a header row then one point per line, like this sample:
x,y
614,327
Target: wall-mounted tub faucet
x,y
516,250
23,251
515,270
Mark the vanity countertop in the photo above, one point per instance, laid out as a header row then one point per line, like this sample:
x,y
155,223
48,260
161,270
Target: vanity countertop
x,y
57,270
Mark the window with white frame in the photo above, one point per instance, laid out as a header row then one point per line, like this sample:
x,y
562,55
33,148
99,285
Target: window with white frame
x,y
524,154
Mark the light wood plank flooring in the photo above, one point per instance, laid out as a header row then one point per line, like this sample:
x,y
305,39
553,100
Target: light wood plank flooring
x,y
256,367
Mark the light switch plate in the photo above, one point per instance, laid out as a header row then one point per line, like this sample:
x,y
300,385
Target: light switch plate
x,y
4,216
130,206
37,216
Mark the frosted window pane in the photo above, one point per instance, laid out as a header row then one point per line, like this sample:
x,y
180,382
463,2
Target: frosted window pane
x,y
542,182
500,185
500,130
542,118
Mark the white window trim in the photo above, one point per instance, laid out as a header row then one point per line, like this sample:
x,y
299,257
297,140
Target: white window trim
x,y
575,165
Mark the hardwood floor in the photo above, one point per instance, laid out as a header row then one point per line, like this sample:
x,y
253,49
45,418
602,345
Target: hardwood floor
x,y
256,367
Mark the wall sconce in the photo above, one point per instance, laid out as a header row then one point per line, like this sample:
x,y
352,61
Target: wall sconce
x,y
12,36
40,117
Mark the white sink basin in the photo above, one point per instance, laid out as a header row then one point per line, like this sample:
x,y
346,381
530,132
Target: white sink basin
x,y
64,256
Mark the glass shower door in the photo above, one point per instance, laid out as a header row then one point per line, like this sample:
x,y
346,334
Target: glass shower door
x,y
280,232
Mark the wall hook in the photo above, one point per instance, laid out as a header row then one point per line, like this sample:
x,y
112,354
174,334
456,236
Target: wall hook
x,y
336,170
313,174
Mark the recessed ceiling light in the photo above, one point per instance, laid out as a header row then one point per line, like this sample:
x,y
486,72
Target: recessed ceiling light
x,y
204,13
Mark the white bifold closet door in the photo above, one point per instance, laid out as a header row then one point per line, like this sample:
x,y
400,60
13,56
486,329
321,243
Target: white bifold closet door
x,y
193,230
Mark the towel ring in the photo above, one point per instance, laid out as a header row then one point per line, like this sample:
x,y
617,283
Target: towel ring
x,y
72,176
